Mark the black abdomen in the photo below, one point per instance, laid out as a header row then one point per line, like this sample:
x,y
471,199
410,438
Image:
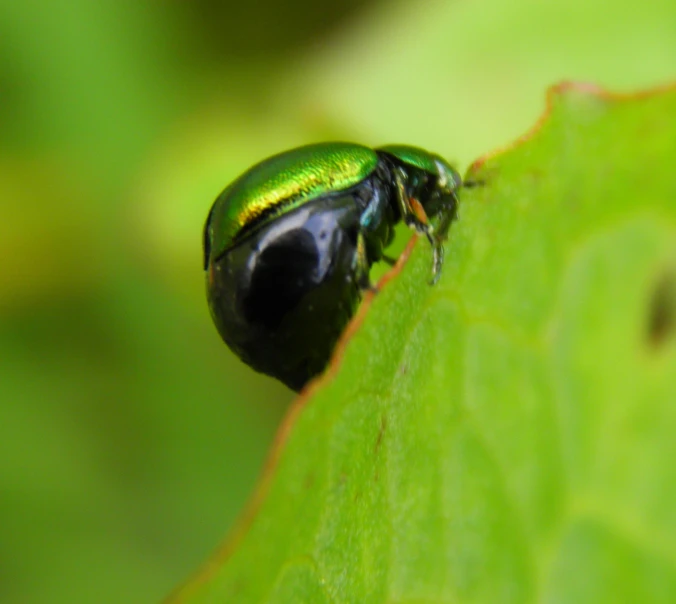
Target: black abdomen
x,y
282,297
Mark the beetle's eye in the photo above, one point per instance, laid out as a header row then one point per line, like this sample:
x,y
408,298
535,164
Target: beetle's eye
x,y
206,240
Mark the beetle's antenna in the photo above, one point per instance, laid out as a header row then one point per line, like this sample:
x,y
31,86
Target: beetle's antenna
x,y
471,184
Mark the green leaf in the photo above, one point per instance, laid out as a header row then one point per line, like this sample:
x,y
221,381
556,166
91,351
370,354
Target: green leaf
x,y
506,435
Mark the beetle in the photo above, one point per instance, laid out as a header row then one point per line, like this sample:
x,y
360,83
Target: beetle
x,y
288,245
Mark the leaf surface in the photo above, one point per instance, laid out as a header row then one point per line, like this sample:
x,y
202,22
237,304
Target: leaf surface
x,y
506,435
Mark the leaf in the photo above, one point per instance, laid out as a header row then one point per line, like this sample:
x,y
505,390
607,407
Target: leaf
x,y
506,435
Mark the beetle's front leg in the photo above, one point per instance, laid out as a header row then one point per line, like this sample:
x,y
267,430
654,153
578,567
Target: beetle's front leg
x,y
413,215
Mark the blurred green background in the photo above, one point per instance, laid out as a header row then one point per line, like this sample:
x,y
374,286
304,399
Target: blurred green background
x,y
130,437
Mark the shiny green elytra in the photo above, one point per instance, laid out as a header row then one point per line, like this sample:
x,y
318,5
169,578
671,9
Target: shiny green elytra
x,y
289,244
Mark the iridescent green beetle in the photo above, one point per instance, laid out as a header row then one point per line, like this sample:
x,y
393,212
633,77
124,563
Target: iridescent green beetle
x,y
289,244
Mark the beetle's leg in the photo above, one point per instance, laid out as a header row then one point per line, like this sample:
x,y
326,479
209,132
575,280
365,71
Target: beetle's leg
x,y
440,234
447,216
413,215
362,267
388,259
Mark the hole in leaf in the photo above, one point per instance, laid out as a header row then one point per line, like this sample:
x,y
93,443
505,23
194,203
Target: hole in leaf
x,y
662,311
